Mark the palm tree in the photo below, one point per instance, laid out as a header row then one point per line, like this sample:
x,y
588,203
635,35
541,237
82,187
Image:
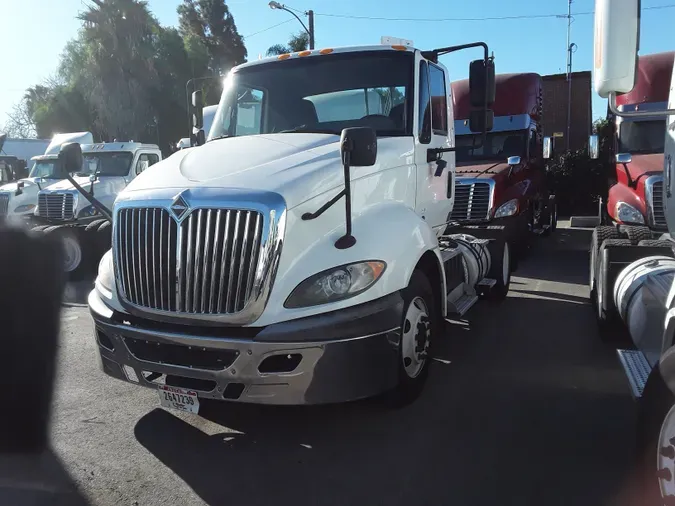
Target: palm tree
x,y
297,42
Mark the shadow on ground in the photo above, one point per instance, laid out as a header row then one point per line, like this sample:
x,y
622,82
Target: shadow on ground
x,y
533,412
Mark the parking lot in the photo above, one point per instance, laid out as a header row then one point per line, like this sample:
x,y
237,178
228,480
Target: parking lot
x,y
523,406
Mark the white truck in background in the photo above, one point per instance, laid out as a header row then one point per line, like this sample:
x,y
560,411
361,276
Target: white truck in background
x,y
62,208
18,199
639,276
300,261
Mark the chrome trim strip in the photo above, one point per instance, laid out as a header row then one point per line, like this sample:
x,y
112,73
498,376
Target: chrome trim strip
x,y
270,205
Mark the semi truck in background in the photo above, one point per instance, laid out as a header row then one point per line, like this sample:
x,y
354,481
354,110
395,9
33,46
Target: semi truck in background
x,y
501,186
641,277
634,210
18,199
62,208
313,266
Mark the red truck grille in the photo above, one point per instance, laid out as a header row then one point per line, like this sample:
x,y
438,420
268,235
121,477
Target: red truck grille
x,y
472,201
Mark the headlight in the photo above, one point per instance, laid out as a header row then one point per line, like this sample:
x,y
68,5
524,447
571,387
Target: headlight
x,y
87,212
105,272
507,209
335,284
626,213
25,208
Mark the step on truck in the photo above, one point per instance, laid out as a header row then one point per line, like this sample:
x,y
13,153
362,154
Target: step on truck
x,y
63,209
299,255
642,271
18,199
501,186
634,213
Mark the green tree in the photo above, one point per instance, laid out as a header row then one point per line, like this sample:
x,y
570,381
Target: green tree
x,y
212,25
297,42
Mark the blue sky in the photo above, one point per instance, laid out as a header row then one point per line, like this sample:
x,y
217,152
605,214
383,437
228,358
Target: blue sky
x,y
35,32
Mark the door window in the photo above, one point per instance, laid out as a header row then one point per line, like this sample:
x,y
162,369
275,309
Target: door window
x,y
145,161
439,101
425,105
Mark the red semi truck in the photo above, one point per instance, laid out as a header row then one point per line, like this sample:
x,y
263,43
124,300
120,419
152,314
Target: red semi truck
x,y
501,186
634,211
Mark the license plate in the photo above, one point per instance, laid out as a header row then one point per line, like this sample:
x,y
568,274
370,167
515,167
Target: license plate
x,y
178,398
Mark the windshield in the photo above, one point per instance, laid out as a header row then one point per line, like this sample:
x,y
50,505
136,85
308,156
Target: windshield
x,y
322,94
45,169
498,146
106,164
642,136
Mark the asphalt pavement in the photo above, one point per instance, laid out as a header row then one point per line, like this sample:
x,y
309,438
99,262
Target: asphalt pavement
x,y
524,406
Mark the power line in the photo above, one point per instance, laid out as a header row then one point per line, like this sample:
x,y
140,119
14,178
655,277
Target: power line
x,y
494,18
268,28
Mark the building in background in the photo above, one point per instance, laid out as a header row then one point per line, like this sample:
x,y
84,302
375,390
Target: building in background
x,y
555,109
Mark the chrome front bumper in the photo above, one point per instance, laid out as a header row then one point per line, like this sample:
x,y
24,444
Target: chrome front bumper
x,y
333,357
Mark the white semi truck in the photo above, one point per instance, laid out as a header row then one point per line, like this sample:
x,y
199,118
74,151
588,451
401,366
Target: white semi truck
x,y
61,208
294,259
640,275
18,199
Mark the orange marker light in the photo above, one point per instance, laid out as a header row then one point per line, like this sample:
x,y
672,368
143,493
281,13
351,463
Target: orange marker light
x,y
326,51
304,53
399,48
377,267
284,56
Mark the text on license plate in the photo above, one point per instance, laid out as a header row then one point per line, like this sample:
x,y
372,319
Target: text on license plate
x,y
178,398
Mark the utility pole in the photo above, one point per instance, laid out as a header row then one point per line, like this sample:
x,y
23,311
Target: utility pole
x,y
569,71
310,14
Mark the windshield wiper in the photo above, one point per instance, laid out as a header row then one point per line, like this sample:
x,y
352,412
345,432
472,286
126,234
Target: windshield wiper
x,y
304,129
224,136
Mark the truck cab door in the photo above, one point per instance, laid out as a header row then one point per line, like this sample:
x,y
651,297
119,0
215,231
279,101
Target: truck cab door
x,y
434,129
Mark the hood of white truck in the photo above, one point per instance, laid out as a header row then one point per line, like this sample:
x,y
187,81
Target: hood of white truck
x,y
297,166
28,181
64,184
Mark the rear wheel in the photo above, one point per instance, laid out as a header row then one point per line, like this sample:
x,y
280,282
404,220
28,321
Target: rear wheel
x,y
418,330
637,234
655,461
608,322
94,225
600,234
500,271
72,249
552,216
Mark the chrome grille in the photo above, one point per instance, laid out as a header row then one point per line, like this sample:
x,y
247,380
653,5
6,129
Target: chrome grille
x,y
205,265
4,203
472,202
56,206
658,215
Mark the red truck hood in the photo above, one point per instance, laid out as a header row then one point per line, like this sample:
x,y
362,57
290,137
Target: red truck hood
x,y
490,169
644,164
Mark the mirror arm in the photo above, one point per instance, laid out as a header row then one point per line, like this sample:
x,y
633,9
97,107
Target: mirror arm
x,y
631,183
347,240
611,101
323,208
105,212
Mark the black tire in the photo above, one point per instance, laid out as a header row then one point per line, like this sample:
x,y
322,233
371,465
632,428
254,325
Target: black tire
x,y
657,243
409,388
501,288
39,228
637,234
600,235
655,403
70,234
94,225
105,226
609,326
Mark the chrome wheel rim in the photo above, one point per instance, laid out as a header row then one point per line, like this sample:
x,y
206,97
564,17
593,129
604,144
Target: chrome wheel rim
x,y
72,253
665,456
415,337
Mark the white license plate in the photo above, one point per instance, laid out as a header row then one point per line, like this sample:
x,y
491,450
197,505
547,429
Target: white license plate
x,y
178,398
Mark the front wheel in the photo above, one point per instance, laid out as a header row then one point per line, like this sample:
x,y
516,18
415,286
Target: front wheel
x,y
500,271
418,330
72,249
656,443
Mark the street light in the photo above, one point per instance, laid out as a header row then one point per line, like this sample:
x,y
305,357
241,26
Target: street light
x,y
310,14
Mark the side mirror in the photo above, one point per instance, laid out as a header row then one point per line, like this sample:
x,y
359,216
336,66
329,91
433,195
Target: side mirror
x,y
548,148
358,147
198,139
593,147
197,110
480,122
71,156
19,188
615,48
93,178
624,158
3,138
482,79
513,160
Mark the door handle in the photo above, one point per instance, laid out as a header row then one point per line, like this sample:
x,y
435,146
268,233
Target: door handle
x,y
440,167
